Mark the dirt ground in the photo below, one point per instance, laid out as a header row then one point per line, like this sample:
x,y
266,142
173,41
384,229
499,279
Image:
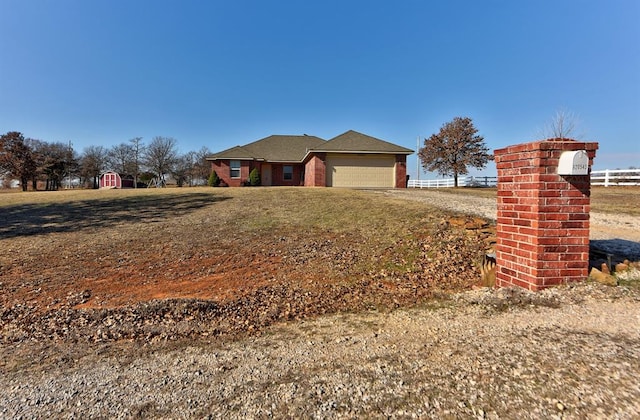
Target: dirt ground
x,y
115,250
340,249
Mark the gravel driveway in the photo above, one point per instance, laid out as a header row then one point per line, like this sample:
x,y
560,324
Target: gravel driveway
x,y
612,233
563,353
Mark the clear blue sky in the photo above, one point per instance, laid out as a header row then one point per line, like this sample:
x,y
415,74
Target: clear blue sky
x,y
222,73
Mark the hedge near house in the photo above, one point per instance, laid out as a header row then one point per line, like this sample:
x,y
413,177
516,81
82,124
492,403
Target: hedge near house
x,y
214,180
254,177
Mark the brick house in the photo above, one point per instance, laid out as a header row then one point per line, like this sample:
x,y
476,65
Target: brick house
x,y
351,159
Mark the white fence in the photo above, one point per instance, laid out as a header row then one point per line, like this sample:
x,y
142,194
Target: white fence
x,y
463,181
608,177
616,177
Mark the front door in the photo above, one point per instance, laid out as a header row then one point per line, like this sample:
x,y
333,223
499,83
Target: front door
x,y
265,176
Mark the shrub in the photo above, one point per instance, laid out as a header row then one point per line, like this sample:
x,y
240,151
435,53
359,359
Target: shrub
x,y
254,177
214,180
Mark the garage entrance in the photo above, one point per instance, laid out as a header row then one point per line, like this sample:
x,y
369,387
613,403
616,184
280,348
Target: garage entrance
x,y
360,171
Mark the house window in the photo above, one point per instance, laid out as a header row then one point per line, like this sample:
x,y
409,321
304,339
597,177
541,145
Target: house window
x,y
287,172
235,168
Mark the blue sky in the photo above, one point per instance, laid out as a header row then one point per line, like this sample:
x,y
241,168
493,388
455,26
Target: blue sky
x,y
223,73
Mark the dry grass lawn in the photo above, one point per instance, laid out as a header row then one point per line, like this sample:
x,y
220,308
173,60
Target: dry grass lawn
x,y
115,248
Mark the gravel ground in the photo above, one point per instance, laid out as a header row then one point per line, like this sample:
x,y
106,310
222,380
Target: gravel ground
x,y
571,352
615,233
566,352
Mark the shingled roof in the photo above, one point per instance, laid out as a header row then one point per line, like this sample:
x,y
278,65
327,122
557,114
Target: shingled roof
x,y
276,148
279,148
354,142
236,152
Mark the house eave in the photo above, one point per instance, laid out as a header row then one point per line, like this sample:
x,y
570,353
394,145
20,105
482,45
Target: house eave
x,y
282,161
213,158
358,152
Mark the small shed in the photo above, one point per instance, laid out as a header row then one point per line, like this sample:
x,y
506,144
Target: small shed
x,y
115,180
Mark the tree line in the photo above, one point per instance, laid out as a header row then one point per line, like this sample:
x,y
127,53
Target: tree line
x,y
48,164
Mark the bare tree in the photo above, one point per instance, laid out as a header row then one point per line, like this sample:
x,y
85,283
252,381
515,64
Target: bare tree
x,y
182,169
201,166
192,168
59,161
160,156
454,148
137,153
121,158
39,150
563,125
16,158
93,162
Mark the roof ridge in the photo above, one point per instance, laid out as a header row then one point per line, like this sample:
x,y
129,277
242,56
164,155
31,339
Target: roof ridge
x,y
295,147
282,135
353,136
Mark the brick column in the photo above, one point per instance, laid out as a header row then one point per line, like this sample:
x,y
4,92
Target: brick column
x,y
315,171
401,171
543,217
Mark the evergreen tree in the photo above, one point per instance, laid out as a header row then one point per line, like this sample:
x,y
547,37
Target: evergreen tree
x,y
254,177
213,181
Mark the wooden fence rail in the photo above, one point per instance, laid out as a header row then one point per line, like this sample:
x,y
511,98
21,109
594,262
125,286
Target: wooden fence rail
x,y
616,177
463,181
608,177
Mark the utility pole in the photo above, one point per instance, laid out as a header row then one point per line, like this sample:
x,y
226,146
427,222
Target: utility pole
x,y
418,157
69,165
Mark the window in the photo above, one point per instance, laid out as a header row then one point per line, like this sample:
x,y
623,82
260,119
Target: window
x,y
287,172
235,168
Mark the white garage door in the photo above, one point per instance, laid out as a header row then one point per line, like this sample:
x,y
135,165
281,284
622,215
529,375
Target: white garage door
x,y
368,171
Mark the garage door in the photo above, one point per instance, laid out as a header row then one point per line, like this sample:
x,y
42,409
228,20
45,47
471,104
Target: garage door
x,y
368,171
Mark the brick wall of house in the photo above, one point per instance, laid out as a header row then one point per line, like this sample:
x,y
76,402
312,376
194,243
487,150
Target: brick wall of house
x,y
315,171
277,175
543,217
223,170
401,171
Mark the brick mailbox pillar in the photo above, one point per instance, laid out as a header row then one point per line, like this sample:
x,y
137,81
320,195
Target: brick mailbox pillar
x,y
543,213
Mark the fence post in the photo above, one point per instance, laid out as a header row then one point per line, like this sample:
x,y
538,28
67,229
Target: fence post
x,y
606,177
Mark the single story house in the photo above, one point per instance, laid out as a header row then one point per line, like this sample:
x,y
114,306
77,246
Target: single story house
x,y
351,159
112,179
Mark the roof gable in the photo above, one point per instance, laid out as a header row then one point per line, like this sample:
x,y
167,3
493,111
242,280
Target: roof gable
x,y
275,148
283,148
352,141
236,152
